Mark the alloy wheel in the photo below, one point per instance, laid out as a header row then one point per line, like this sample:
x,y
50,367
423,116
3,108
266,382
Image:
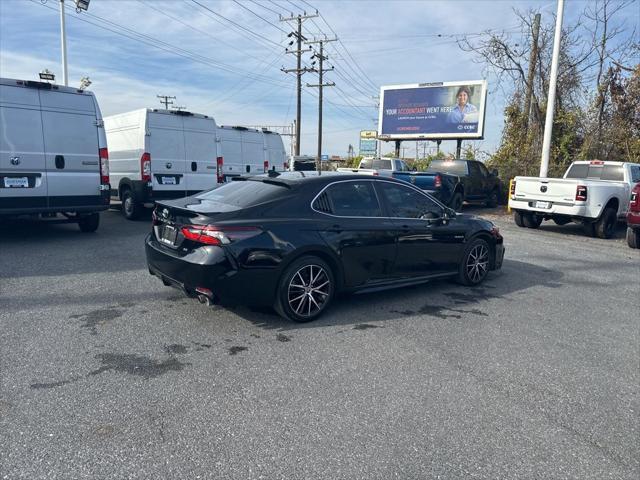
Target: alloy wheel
x,y
309,289
477,263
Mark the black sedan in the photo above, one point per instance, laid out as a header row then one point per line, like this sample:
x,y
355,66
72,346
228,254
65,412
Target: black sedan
x,y
295,240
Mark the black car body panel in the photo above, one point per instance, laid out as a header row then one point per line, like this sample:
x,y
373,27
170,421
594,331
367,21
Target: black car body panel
x,y
364,253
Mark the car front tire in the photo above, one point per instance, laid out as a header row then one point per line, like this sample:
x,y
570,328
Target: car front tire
x,y
305,290
633,237
476,260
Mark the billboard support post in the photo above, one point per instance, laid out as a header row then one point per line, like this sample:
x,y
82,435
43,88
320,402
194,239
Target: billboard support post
x,y
438,142
458,148
398,142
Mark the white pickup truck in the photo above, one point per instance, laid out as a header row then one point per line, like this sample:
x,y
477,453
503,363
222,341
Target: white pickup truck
x,y
384,167
594,193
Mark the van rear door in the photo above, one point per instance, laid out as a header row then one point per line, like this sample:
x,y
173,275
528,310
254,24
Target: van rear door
x,y
166,147
253,150
276,153
70,131
200,153
23,178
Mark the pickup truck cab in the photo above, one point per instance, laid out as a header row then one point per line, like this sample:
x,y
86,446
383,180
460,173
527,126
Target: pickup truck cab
x,y
633,218
594,193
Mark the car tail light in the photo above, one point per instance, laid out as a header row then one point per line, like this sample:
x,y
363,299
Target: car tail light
x,y
634,203
103,153
214,235
437,183
145,167
581,193
266,166
512,189
219,165
285,166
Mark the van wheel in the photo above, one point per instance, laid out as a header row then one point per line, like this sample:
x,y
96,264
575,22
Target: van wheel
x,y
130,206
531,220
606,224
305,289
456,202
89,223
517,217
633,237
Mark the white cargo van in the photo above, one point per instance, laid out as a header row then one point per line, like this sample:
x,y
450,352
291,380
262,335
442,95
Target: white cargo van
x,y
159,154
53,153
248,151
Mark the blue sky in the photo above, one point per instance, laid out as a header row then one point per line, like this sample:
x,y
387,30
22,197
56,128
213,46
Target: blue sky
x,y
204,56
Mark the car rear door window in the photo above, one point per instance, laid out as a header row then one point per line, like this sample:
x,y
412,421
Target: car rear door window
x,y
405,202
351,199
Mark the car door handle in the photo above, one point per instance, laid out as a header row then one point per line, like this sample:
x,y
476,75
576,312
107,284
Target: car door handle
x,y
336,229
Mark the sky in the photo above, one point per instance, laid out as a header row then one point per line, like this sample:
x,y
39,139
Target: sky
x,y
224,58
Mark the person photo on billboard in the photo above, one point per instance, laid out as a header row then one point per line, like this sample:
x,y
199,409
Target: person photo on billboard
x,y
463,111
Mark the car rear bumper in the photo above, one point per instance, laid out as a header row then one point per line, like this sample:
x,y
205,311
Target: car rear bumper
x,y
209,267
633,219
44,204
568,210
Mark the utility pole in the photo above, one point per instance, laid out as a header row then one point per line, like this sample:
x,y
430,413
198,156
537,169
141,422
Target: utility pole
x,y
321,58
63,44
165,100
551,97
532,70
299,71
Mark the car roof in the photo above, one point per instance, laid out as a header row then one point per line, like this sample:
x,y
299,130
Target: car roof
x,y
296,179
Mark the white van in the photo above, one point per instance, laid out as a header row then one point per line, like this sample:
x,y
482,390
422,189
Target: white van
x,y
158,154
53,153
248,151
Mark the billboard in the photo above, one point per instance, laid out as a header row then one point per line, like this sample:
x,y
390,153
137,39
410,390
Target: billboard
x,y
368,142
432,110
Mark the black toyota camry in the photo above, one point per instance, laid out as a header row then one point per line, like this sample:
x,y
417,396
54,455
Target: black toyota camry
x,y
295,240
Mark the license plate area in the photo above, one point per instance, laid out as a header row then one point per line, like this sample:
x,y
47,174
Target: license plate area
x,y
168,181
542,205
16,182
168,234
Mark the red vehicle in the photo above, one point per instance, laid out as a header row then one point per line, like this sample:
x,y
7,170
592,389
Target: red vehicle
x,y
633,218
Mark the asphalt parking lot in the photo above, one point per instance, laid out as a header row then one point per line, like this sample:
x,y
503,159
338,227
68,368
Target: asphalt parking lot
x,y
104,372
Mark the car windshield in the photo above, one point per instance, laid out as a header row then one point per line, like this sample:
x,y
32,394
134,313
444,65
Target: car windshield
x,y
376,163
452,167
244,193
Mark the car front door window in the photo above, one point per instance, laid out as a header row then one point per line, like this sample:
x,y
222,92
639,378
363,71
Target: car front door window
x,y
405,202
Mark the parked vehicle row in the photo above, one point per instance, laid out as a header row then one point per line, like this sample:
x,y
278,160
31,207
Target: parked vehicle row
x,y
54,160
593,193
299,238
451,181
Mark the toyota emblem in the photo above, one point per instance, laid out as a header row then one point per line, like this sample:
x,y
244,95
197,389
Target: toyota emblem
x,y
543,188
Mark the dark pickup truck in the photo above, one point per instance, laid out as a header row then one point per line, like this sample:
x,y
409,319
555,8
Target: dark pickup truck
x,y
450,181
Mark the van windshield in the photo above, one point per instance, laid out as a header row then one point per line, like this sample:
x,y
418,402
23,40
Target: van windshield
x,y
245,193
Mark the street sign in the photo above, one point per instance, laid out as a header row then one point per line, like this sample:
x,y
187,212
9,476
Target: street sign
x,y
324,158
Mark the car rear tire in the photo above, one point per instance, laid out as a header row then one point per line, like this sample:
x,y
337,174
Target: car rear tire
x,y
456,202
305,290
492,199
89,223
633,237
475,263
531,220
517,217
606,224
131,209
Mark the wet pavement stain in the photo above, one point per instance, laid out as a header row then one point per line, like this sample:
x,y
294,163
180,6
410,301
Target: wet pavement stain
x,y
236,349
438,311
201,346
463,298
54,384
137,365
365,326
176,348
281,337
98,317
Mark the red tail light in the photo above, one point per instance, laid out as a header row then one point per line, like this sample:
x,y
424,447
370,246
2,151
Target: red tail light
x,y
581,193
285,166
214,235
437,183
634,203
219,165
103,153
145,167
266,166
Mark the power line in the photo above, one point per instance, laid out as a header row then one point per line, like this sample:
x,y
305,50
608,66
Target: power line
x,y
266,8
260,17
